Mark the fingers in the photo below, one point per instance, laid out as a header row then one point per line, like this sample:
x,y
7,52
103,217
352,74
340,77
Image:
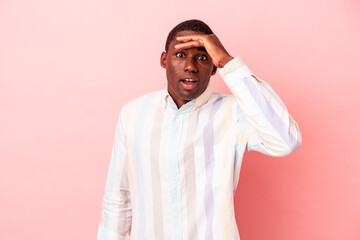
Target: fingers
x,y
190,44
190,41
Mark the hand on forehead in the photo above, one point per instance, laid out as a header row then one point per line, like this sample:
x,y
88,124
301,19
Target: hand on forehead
x,y
210,42
196,40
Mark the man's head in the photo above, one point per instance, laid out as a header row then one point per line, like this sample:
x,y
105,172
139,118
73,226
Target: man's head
x,y
188,71
191,25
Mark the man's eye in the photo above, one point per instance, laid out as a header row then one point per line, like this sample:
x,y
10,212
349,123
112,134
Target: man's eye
x,y
180,55
202,58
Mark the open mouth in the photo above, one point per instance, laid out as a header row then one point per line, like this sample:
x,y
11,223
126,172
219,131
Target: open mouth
x,y
188,83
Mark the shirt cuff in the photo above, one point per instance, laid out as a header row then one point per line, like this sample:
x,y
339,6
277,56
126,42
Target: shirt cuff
x,y
235,64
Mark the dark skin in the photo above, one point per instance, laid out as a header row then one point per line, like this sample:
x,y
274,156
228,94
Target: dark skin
x,y
190,62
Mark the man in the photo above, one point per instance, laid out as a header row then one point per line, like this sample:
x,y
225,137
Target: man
x,y
177,153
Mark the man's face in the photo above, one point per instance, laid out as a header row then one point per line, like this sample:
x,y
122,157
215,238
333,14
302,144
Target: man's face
x,y
188,71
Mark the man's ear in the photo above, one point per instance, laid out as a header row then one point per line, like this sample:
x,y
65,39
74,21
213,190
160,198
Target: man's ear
x,y
213,71
163,59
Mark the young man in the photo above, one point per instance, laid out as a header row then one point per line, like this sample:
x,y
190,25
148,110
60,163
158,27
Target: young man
x,y
177,153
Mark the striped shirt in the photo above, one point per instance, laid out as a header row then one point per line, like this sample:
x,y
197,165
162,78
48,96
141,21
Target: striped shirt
x,y
173,172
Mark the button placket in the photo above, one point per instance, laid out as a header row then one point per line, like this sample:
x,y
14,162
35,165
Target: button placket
x,y
174,177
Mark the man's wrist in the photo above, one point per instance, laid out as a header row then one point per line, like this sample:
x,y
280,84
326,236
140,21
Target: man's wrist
x,y
236,64
224,61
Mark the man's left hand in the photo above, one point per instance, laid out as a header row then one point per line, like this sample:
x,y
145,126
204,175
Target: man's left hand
x,y
212,45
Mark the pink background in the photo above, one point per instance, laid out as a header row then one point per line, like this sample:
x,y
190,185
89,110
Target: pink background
x,y
67,67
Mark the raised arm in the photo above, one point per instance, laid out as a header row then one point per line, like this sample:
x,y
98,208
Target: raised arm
x,y
274,130
116,208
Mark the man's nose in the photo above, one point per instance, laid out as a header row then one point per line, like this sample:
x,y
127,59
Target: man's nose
x,y
190,65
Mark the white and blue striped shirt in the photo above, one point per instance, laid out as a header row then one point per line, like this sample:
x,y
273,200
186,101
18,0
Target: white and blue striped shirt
x,y
173,172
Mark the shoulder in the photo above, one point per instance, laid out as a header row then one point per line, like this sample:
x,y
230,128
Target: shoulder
x,y
225,98
226,102
229,105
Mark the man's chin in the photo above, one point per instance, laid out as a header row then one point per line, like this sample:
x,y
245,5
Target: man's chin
x,y
189,96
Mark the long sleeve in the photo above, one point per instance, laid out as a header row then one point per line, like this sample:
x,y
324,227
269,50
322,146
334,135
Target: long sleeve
x,y
274,132
116,208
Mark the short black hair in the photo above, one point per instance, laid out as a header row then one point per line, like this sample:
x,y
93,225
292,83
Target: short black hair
x,y
192,25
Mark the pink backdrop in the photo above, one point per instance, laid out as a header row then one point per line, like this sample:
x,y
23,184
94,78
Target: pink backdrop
x,y
67,67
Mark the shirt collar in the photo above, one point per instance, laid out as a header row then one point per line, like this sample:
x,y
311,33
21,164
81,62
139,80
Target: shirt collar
x,y
193,104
